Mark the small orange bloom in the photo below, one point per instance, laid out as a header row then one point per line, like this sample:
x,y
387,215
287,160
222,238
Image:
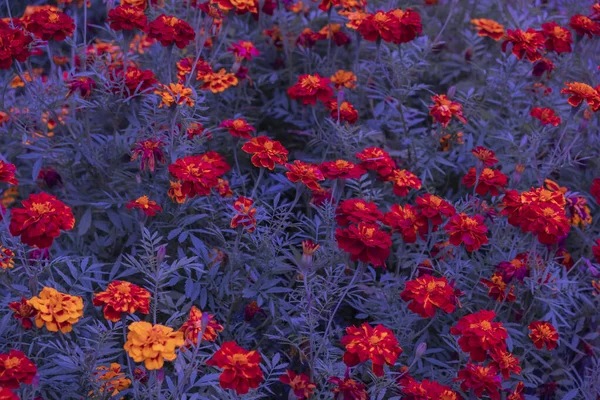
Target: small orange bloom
x,y
122,297
488,27
148,207
344,79
543,333
217,82
245,214
301,385
56,310
238,127
265,152
443,109
580,92
111,379
498,289
530,43
240,6
184,68
241,368
152,344
176,192
198,322
308,174
367,343
176,94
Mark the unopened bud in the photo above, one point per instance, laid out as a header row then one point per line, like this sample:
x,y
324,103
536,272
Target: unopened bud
x,y
160,254
421,349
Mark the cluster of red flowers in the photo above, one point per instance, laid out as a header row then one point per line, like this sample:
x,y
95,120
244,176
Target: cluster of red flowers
x,y
395,26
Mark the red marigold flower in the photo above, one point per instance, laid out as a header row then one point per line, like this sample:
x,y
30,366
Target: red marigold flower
x,y
306,173
198,174
365,242
379,25
545,115
427,293
349,389
584,26
7,394
595,11
150,152
200,322
333,31
184,68
23,311
478,334
241,368
376,159
528,43
244,50
505,362
433,208
341,169
367,343
579,92
148,207
251,310
169,30
240,6
557,38
265,152
301,385
543,333
16,369
403,181
355,211
136,80
543,65
481,380
498,289
517,394
345,113
238,127
409,25
468,230
121,297
517,268
488,27
309,88
245,214
83,84
223,188
408,221
40,220
486,156
307,38
443,109
489,181
14,44
7,173
127,18
48,24
427,390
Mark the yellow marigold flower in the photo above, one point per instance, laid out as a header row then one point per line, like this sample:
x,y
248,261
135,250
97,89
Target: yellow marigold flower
x,y
217,82
58,311
111,379
6,258
175,93
152,344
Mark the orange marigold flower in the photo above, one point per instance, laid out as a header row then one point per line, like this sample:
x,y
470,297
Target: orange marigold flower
x,y
528,43
7,173
127,18
468,230
122,297
433,208
355,19
403,181
265,152
176,192
365,242
443,109
343,79
301,385
169,30
547,116
349,389
480,379
309,88
426,294
426,390
14,44
543,333
40,220
184,68
408,221
152,344
488,27
200,322
488,181
23,311
557,38
505,362
150,151
217,82
147,206
374,158
308,174
241,368
345,113
238,127
578,211
498,289
355,211
198,174
245,214
48,24
56,310
584,26
341,169
223,188
175,94
478,334
486,156
111,379
135,3
6,258
244,49
579,92
16,369
240,6
333,31
367,343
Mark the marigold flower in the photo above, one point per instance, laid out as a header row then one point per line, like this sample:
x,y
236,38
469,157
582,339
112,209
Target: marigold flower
x,y
349,389
217,82
56,310
309,88
498,289
136,80
251,310
41,220
426,390
240,6
16,369
148,207
6,258
543,65
14,44
333,31
136,3
169,30
481,380
367,343
379,25
307,38
245,214
343,79
468,230
341,169
48,24
365,242
175,93
176,192
345,113
374,158
584,26
241,368
486,156
7,173
355,211
111,379
150,152
426,294
244,49
184,68
557,38
433,208
265,152
152,344
23,311
223,188
517,394
127,18
301,385
579,92
122,297
478,334
443,109
505,362
547,116
7,394
308,174
543,333
403,181
528,43
488,27
489,181
198,322
408,221
83,84
238,127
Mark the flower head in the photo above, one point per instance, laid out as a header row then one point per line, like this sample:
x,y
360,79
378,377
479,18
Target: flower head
x,y
479,334
403,181
443,109
426,294
301,385
150,151
468,230
240,6
241,368
488,181
365,242
169,30
238,127
488,27
355,211
56,310
244,214
265,152
48,24
543,333
341,169
308,174
217,82
498,289
121,297
147,206
197,175
200,322
23,311
343,79
486,156
111,379
309,88
579,92
7,173
585,26
16,369
434,208
547,116
481,380
244,50
530,43
152,344
175,94
426,390
374,158
505,362
407,220
367,343
557,38
349,389
14,45
127,18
